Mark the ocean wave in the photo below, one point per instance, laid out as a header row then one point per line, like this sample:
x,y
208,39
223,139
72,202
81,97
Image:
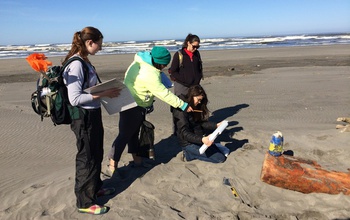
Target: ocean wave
x,y
61,49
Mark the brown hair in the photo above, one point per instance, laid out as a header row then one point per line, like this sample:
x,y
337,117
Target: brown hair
x,y
191,38
198,90
79,39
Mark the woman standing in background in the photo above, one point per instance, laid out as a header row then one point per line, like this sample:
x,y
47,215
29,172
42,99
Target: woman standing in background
x,y
186,68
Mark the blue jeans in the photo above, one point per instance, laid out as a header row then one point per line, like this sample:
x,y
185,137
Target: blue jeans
x,y
212,154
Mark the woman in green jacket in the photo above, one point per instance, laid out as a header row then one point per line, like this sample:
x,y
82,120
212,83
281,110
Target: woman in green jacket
x,y
143,79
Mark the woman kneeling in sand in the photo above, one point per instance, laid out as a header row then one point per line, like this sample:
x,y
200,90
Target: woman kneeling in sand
x,y
191,127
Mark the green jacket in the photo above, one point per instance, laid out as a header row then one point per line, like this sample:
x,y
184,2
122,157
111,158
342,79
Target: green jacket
x,y
144,82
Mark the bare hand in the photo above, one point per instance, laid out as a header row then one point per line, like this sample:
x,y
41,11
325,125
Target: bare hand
x,y
206,141
111,93
189,109
218,124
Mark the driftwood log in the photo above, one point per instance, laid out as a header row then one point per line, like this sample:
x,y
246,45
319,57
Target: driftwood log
x,y
304,176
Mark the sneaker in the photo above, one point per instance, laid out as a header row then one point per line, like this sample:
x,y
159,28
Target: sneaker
x,y
109,171
94,210
105,192
113,174
183,158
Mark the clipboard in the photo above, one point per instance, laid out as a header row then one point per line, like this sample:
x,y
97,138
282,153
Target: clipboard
x,y
121,103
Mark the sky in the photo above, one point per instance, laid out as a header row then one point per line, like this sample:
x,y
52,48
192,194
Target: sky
x,y
52,21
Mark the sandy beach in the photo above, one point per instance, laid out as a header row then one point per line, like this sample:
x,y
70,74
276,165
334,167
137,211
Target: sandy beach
x,y
300,91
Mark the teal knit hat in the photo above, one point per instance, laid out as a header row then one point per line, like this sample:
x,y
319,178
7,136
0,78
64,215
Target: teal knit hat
x,y
161,55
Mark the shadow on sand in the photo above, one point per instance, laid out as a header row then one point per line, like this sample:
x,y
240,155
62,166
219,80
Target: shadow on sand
x,y
168,148
232,128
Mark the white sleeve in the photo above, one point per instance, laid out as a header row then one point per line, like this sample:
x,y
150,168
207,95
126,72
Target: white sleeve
x,y
74,79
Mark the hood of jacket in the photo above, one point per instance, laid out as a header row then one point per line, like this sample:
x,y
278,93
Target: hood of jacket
x,y
145,57
144,82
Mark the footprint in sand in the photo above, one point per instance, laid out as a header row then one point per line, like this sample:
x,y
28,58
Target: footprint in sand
x,y
193,169
319,152
35,187
14,208
322,138
54,210
248,146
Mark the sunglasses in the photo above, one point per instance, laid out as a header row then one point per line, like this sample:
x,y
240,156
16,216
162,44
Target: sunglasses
x,y
195,47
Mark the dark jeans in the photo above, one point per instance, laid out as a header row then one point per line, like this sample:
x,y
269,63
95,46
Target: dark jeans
x,y
130,122
212,154
89,134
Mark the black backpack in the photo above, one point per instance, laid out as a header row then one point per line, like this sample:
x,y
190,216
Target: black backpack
x,y
146,141
51,97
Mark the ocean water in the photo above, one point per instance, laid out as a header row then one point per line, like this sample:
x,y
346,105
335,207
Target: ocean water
x,y
50,50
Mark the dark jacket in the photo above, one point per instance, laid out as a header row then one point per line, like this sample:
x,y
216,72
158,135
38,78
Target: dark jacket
x,y
190,72
188,131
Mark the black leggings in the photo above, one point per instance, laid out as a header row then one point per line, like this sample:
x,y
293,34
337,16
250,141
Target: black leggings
x,y
89,134
130,122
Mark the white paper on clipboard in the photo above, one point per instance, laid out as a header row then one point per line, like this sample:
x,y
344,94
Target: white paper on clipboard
x,y
213,135
113,105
